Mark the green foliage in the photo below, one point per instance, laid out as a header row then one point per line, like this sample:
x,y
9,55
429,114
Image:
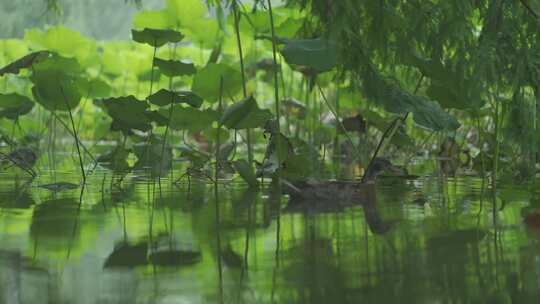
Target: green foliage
x,y
127,113
396,100
156,37
311,56
207,81
245,114
150,157
188,118
245,170
172,68
116,160
165,97
443,65
197,158
24,62
14,105
55,91
63,41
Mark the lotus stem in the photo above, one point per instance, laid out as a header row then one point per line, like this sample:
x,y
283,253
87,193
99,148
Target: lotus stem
x,y
276,82
243,73
76,136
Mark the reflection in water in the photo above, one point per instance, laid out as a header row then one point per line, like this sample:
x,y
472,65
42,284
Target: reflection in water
x,y
425,240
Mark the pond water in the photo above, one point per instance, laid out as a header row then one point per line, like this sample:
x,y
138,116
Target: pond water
x,y
433,239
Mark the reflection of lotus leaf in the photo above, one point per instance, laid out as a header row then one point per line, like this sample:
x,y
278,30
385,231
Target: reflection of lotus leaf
x,y
175,258
16,199
60,186
54,219
126,255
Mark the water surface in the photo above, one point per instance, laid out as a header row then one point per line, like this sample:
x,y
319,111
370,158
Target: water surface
x,y
434,239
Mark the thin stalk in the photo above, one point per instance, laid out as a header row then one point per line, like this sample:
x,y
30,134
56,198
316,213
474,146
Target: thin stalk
x,y
480,144
152,71
242,70
285,93
218,136
337,150
276,89
338,118
76,136
497,146
73,134
169,120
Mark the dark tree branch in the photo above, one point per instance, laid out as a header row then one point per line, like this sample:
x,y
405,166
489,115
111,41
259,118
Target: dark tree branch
x,y
529,8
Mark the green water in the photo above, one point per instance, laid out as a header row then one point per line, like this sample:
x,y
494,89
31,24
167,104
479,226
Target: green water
x,y
446,240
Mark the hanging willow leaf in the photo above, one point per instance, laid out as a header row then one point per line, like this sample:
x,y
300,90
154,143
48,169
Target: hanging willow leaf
x,y
395,100
172,68
165,97
24,62
14,105
245,114
156,37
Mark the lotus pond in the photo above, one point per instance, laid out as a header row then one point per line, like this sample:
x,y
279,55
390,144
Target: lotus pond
x,y
293,151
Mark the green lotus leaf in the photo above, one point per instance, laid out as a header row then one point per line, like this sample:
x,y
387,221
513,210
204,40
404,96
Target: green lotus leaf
x,y
57,63
14,105
191,119
128,113
165,97
172,68
95,88
55,90
245,115
207,81
311,55
24,62
158,118
156,37
63,41
246,172
196,157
